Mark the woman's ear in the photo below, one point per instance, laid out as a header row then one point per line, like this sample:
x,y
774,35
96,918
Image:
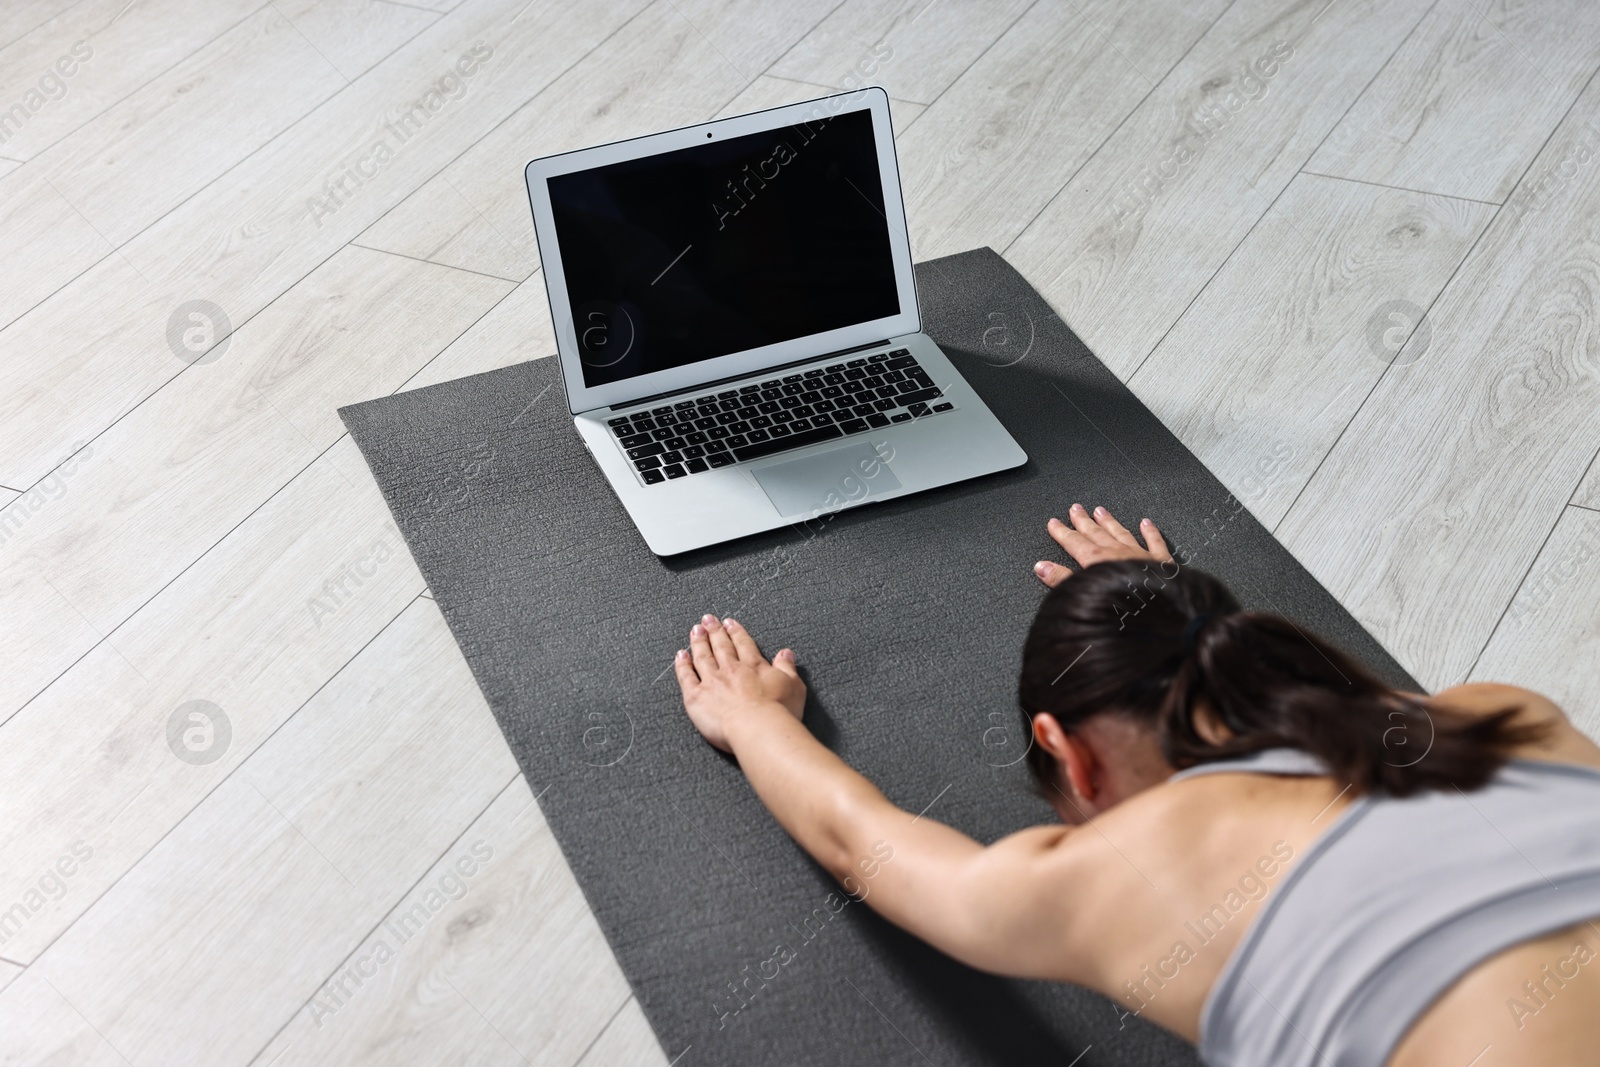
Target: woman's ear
x,y
1077,761
1208,725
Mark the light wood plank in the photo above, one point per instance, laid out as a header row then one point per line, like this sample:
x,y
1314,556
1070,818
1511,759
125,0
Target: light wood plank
x,y
1140,229
115,175
516,971
1425,516
174,476
1588,494
913,48
7,166
310,843
20,17
8,972
1469,98
1265,370
6,497
246,628
627,1042
38,1025
354,35
1014,128
767,92
117,51
659,71
1546,639
98,346
516,330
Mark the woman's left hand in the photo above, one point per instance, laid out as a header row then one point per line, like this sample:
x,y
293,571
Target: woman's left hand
x,y
723,676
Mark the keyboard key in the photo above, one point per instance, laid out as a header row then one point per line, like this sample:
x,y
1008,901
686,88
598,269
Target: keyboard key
x,y
693,452
716,433
893,376
696,466
800,424
747,389
793,389
658,412
919,395
794,377
790,402
900,416
886,405
635,440
696,438
643,425
773,384
877,357
647,462
855,374
675,442
821,433
672,457
738,440
943,407
876,419
862,362
921,378
754,435
726,418
886,391
917,410
704,423
773,395
853,425
801,412
652,477
674,471
863,409
821,418
682,404
761,422
900,352
903,363
728,395
720,459
781,417
814,372
810,396
662,433
623,421
823,404
715,446
872,381
834,368
779,430
730,405
832,379
651,449
738,427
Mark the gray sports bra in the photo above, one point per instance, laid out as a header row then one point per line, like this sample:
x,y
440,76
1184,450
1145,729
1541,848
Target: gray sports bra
x,y
1397,900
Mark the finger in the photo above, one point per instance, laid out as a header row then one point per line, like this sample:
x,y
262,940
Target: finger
x,y
721,643
1051,574
683,666
1154,541
1108,522
1078,546
784,661
705,660
743,643
1085,524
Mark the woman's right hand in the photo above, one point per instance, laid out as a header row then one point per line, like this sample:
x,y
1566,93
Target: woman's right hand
x,y
1096,538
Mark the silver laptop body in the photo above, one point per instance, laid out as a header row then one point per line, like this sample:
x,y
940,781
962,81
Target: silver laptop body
x,y
737,325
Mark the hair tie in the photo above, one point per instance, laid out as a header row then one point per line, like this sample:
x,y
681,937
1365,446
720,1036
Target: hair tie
x,y
1191,631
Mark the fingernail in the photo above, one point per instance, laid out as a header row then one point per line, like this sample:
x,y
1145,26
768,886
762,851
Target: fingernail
x,y
1144,522
788,653
1041,568
681,653
730,622
1077,507
697,630
1056,521
1101,511
708,619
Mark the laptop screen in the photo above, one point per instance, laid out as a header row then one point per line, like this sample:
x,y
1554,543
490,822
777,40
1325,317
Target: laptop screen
x,y
723,247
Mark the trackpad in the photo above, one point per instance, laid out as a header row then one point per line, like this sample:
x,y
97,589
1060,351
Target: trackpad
x,y
827,481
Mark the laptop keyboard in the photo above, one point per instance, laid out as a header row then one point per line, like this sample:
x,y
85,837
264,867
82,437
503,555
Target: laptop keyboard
x,y
755,421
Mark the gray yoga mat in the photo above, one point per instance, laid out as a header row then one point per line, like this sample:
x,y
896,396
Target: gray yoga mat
x,y
908,618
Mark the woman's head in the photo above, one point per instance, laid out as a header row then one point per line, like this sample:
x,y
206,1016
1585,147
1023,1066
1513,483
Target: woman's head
x,y
1159,666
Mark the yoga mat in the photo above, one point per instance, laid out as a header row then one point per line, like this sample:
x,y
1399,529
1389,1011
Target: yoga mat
x,y
908,617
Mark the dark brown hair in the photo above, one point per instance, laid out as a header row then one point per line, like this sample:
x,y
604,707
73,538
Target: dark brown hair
x,y
1152,641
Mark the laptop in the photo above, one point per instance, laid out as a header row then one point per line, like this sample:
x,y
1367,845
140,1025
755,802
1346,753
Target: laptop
x,y
737,326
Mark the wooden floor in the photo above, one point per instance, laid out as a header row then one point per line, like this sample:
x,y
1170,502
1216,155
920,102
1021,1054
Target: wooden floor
x,y
1349,251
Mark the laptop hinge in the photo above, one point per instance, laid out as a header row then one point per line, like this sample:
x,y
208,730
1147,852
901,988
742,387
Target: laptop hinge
x,y
755,374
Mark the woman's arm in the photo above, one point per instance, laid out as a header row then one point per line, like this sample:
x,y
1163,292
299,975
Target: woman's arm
x,y
985,906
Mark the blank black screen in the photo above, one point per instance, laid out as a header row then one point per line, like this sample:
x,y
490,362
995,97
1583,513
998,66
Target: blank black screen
x,y
724,246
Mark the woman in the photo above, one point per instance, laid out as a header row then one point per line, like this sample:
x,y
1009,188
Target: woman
x,y
1266,850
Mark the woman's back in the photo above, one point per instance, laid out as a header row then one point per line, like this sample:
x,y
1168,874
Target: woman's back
x,y
1183,872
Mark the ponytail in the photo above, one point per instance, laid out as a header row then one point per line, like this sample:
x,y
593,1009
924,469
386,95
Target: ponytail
x,y
1156,648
